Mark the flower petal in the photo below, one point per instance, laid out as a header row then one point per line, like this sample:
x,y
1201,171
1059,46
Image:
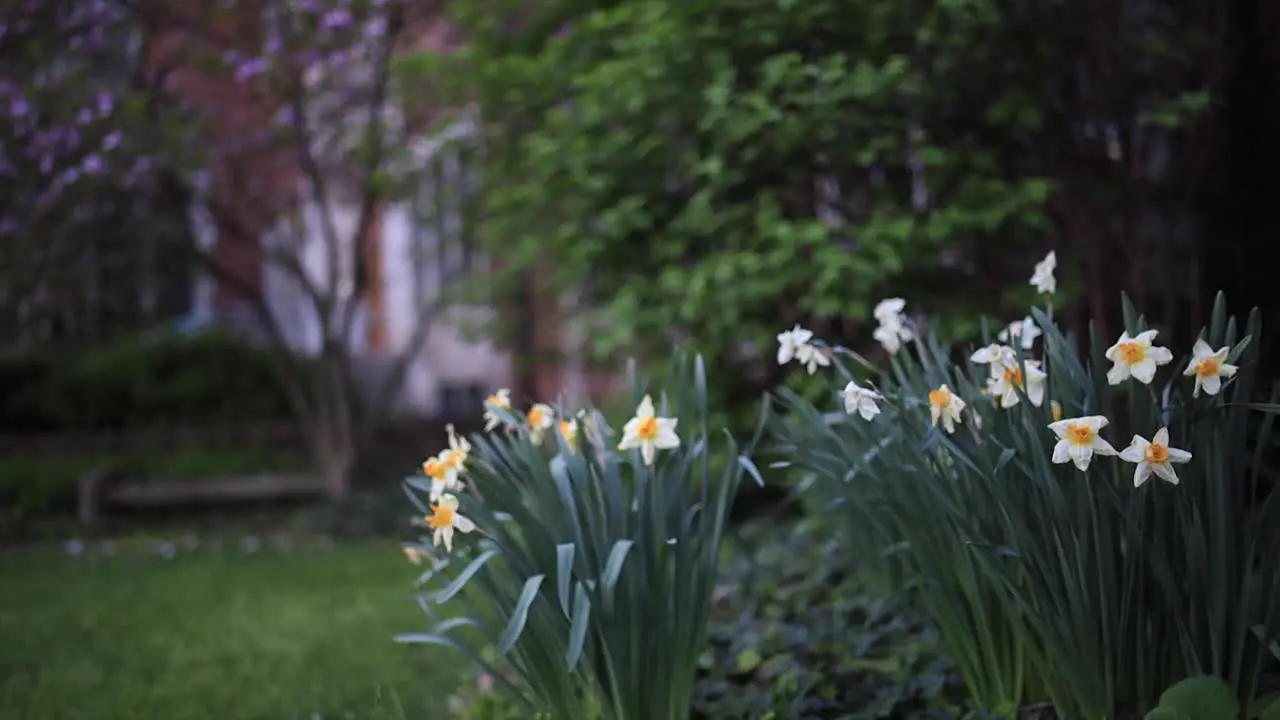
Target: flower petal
x,y
1136,451
1118,373
1211,384
1161,437
1061,451
463,524
1141,473
1144,371
1178,455
1166,472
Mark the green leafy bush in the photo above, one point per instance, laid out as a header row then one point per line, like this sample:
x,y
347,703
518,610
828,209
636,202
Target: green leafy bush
x,y
144,380
594,569
1048,582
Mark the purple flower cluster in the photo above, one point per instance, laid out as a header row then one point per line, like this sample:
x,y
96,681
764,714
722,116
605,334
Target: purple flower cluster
x,y
71,99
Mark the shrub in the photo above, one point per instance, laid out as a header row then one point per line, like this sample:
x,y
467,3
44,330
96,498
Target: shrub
x,y
594,568
1050,581
143,380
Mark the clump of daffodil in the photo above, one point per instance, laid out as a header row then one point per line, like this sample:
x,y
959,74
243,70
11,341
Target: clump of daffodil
x,y
1042,278
891,330
1154,457
444,519
540,418
1007,378
1024,332
648,432
1136,357
861,400
1078,440
444,477
796,344
946,406
499,401
1209,367
569,431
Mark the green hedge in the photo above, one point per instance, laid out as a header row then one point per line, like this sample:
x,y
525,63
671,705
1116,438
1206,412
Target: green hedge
x,y
157,379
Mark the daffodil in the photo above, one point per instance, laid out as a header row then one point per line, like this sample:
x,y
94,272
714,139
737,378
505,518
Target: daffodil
x,y
889,311
1026,331
1136,357
790,342
944,405
1078,440
795,344
993,355
501,400
1209,367
1042,277
444,478
1010,379
891,334
444,519
861,400
1154,457
459,449
540,418
1055,409
569,431
649,432
413,555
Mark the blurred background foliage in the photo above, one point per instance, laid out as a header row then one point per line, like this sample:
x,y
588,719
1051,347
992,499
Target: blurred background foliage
x,y
716,170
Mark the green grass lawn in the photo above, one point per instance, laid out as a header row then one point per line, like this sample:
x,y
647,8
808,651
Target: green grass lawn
x,y
206,635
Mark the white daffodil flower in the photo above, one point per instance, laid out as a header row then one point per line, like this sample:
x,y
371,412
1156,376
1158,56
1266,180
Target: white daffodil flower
x,y
1042,277
444,519
540,418
1010,380
444,477
500,400
1209,367
1136,357
1026,331
459,449
1078,440
649,432
790,342
812,357
945,406
891,334
795,344
889,311
994,355
1154,457
861,400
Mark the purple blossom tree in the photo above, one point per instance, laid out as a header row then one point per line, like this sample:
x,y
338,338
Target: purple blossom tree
x,y
278,117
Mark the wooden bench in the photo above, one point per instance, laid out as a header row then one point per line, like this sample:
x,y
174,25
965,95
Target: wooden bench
x,y
99,490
